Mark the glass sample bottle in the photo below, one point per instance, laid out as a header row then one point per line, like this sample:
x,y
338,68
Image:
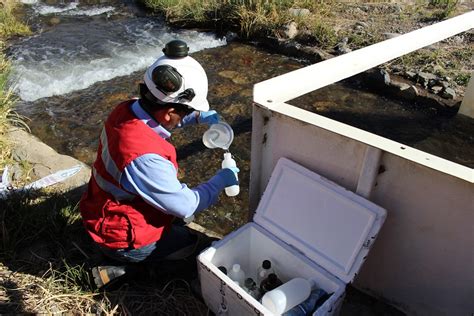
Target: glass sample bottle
x,y
271,282
251,287
264,270
223,269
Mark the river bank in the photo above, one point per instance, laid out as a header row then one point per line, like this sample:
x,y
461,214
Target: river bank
x,y
316,31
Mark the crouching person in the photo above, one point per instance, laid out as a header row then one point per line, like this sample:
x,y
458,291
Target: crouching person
x,y
134,194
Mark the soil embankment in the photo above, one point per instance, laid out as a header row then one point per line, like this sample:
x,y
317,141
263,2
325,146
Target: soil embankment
x,y
39,160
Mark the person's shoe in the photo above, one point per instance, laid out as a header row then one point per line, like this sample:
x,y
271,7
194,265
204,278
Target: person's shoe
x,y
107,275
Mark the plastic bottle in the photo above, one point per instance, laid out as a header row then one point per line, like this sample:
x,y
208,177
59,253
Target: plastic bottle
x,y
271,282
263,271
287,295
229,162
236,274
310,305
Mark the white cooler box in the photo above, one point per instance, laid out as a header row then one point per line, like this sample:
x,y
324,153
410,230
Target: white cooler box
x,y
307,226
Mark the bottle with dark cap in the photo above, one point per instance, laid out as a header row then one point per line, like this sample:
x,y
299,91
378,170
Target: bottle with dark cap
x,y
264,270
176,49
271,282
251,287
249,284
223,269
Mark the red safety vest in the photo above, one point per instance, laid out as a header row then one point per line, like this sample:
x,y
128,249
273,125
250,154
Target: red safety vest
x,y
114,217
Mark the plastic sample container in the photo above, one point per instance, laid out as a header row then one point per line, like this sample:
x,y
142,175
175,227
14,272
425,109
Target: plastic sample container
x,y
236,274
229,162
288,295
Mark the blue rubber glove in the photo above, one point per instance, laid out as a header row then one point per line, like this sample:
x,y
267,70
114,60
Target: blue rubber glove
x,y
208,117
228,175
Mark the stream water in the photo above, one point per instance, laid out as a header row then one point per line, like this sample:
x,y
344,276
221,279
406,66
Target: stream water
x,y
86,57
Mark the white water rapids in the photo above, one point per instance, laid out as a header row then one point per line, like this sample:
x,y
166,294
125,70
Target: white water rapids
x,y
88,46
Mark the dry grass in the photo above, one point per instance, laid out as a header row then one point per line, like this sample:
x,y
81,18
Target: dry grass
x,y
8,116
172,298
47,258
327,22
27,293
9,25
53,293
5,106
248,17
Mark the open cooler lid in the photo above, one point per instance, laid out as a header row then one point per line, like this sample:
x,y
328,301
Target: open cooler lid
x,y
330,225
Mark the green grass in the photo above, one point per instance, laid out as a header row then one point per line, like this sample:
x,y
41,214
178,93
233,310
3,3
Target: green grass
x,y
443,63
436,10
443,8
247,17
9,26
462,78
27,218
324,33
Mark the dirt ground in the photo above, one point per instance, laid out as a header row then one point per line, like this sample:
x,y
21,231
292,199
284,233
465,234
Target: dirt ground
x,y
353,25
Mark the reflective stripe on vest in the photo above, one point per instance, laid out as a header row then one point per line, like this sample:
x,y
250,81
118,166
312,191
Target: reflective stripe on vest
x,y
109,163
108,187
